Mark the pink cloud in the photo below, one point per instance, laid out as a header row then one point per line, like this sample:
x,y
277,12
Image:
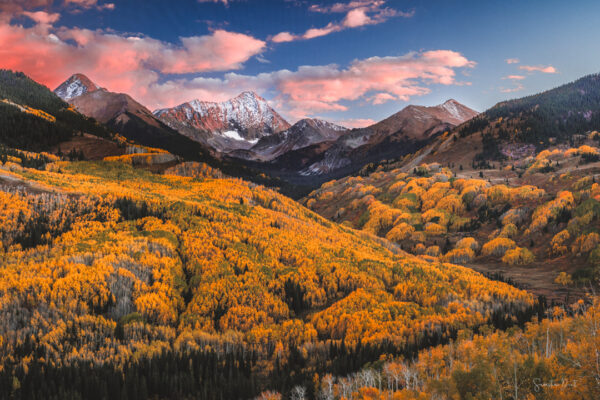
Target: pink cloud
x,y
321,88
539,68
512,60
220,51
517,88
314,89
358,13
16,6
283,37
381,98
514,77
134,64
318,32
357,17
87,4
356,122
120,63
42,17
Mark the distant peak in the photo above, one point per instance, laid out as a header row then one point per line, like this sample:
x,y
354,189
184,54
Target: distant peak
x,y
75,86
84,80
245,95
451,101
79,75
249,94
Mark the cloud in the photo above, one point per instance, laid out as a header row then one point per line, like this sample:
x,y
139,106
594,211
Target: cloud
x,y
517,88
356,122
88,4
357,17
42,17
320,88
152,71
225,2
512,60
381,98
122,63
358,13
283,37
11,8
16,6
514,77
539,68
220,51
318,32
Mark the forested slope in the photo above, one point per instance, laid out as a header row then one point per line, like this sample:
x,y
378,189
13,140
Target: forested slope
x,y
117,283
34,118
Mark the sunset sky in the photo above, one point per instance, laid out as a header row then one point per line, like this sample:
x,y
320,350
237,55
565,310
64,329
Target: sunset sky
x,y
351,62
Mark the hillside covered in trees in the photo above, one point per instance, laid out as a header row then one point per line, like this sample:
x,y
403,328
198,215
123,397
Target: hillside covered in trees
x,y
552,359
34,118
536,216
553,116
118,283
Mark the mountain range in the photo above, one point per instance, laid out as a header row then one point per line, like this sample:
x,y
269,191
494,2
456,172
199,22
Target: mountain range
x,y
247,129
394,137
182,281
518,128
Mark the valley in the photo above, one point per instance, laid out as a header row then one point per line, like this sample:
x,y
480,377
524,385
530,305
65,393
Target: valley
x,y
138,242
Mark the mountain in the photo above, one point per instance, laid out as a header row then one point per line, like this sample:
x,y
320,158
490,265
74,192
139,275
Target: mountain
x,y
303,133
123,114
75,86
238,123
34,118
518,128
419,122
398,135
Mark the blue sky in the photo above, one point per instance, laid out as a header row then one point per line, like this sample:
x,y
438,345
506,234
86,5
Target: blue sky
x,y
554,42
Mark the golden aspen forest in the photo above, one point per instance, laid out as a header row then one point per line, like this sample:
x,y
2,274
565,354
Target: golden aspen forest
x,y
109,269
299,200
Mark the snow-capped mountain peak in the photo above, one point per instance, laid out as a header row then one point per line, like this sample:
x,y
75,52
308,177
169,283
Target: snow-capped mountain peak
x,y
319,124
248,115
457,110
75,86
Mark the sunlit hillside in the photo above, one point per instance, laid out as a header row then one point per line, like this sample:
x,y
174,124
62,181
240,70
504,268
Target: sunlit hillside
x,y
535,219
230,287
554,359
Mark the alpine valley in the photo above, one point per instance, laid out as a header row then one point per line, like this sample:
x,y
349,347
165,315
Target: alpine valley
x,y
246,130
188,218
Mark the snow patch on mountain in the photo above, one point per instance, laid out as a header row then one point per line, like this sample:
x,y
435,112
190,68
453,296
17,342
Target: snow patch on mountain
x,y
248,114
75,86
236,136
456,109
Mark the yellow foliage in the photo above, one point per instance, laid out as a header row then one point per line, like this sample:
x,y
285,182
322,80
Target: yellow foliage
x,y
433,229
558,242
459,255
400,232
518,256
585,243
433,251
467,243
497,247
509,231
